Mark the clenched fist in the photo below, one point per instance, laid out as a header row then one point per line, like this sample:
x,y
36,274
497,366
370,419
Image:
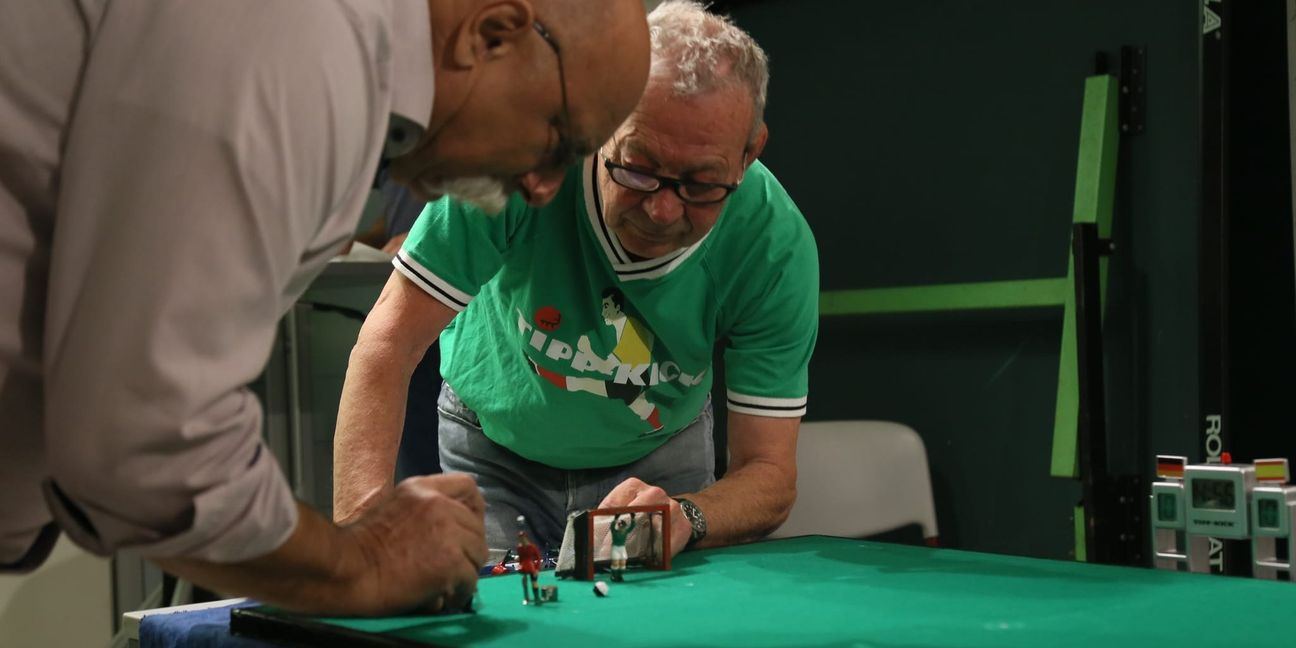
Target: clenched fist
x,y
423,545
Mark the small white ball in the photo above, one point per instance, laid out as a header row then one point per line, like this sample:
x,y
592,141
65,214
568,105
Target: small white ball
x,y
600,589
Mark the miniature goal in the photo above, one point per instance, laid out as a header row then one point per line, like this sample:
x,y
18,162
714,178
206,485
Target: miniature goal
x,y
587,543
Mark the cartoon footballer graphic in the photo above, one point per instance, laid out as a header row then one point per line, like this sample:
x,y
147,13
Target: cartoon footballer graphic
x,y
633,347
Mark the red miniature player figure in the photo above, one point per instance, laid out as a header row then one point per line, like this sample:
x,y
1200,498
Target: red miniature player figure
x,y
501,567
528,564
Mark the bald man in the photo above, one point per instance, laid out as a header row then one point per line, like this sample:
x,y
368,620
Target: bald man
x,y
172,175
577,339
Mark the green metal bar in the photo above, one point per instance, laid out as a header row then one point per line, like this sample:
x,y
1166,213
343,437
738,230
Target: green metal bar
x,y
1025,293
1094,197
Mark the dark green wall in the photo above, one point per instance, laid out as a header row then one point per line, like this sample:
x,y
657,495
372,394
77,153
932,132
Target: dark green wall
x,y
935,141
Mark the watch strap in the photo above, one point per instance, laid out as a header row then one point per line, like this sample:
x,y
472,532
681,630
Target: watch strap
x,y
696,520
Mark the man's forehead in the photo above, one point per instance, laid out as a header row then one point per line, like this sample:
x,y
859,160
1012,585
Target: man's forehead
x,y
715,110
679,154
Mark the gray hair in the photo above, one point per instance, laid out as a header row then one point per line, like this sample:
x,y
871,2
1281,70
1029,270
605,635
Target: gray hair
x,y
698,52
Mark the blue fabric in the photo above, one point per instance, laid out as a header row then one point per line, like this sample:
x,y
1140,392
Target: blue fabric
x,y
197,629
401,208
418,446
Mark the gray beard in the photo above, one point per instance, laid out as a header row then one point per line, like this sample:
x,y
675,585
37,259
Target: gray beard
x,y
483,192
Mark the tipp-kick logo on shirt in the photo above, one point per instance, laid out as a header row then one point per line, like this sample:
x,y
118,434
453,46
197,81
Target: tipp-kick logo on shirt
x,y
626,373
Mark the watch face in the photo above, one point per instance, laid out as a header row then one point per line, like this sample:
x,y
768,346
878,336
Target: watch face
x,y
695,518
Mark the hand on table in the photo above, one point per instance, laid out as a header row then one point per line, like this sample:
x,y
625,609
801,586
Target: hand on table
x,y
634,492
424,545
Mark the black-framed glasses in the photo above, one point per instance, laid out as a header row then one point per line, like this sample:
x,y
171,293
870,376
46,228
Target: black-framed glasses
x,y
563,153
696,193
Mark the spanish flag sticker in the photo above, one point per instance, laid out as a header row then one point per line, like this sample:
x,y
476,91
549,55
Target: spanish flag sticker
x,y
1271,470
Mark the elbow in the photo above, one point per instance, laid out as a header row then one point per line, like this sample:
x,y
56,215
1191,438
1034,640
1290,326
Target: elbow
x,y
781,507
76,477
103,504
91,462
779,500
787,490
143,475
787,502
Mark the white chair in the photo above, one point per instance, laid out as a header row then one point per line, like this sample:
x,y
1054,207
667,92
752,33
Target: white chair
x,y
860,478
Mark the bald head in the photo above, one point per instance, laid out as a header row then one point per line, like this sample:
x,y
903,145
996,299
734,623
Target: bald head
x,y
524,87
606,53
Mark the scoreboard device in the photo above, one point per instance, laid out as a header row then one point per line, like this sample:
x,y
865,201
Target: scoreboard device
x,y
1192,503
1217,500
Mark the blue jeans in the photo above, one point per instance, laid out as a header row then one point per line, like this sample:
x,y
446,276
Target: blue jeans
x,y
515,486
418,446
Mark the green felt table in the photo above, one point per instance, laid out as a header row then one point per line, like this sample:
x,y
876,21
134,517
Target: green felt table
x,y
820,591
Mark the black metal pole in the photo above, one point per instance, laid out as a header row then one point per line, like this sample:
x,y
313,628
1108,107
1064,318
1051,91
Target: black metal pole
x,y
1214,417
1091,426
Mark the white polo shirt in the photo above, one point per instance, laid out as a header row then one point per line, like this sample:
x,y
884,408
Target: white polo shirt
x,y
172,175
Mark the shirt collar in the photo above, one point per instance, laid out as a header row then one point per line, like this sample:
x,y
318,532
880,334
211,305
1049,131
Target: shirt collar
x,y
413,76
625,267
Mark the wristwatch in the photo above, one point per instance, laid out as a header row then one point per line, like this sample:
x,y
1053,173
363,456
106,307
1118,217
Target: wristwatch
x,y
694,515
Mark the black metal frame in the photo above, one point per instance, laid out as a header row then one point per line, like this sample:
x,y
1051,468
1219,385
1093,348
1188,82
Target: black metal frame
x,y
1133,98
1113,504
1213,279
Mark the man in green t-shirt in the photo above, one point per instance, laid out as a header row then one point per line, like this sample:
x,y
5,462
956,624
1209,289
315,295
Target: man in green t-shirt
x,y
577,338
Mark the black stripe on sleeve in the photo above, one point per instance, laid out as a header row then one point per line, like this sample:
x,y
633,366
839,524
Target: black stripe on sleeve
x,y
430,283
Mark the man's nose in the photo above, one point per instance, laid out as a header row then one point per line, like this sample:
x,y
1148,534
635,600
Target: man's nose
x,y
664,207
539,187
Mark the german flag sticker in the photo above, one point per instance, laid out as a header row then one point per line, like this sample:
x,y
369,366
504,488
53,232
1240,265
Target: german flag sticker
x,y
1171,467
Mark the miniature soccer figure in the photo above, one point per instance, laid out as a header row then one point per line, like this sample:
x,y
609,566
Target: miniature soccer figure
x,y
528,565
620,531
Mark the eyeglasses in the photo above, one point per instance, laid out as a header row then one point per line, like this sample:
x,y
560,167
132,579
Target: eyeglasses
x,y
696,193
563,152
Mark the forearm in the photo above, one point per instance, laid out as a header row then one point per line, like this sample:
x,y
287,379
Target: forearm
x,y
418,549
747,504
757,493
752,500
371,415
318,570
404,322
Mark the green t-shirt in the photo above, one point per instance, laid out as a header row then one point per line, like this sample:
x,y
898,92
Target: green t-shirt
x,y
576,356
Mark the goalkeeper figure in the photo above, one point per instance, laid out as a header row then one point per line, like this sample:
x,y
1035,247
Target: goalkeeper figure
x,y
620,532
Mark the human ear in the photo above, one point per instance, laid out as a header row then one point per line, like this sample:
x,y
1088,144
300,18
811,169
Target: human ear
x,y
495,30
757,145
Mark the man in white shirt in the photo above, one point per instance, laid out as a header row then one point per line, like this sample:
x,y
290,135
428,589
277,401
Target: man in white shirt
x,y
172,175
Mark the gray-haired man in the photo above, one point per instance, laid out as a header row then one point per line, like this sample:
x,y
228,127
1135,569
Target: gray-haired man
x,y
578,363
